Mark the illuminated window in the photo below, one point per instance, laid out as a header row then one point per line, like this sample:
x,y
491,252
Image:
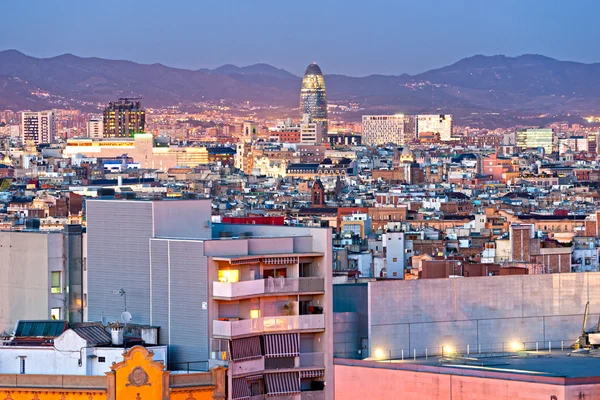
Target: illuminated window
x,y
55,313
56,282
229,275
254,314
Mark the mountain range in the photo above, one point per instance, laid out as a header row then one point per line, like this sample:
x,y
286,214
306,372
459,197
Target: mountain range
x,y
525,84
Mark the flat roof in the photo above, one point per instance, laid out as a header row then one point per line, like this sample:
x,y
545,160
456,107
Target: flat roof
x,y
557,367
253,256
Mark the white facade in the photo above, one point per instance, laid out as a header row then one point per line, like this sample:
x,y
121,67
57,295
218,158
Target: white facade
x,y
394,254
382,129
434,123
311,133
27,263
95,128
70,355
37,127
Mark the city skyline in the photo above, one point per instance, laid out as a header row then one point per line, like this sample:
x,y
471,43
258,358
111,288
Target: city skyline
x,y
194,42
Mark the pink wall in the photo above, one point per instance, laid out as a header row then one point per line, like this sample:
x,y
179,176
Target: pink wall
x,y
358,382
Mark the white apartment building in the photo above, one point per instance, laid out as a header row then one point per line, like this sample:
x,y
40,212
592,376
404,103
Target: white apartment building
x,y
95,128
383,129
37,127
311,132
435,123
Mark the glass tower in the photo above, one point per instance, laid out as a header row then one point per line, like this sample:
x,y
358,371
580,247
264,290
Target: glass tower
x,y
313,100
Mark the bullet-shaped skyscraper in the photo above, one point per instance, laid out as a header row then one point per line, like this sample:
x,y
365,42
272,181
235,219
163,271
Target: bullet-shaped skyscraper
x,y
313,100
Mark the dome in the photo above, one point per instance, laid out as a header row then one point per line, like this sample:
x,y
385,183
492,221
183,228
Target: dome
x,y
313,69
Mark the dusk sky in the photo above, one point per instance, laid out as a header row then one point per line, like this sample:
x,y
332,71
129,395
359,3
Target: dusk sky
x,y
350,37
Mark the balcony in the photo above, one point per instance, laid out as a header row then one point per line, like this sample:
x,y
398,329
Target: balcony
x,y
247,366
258,287
229,329
312,360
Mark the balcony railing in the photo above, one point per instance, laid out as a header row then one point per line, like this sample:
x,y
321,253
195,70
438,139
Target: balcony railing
x,y
247,366
268,324
312,360
257,287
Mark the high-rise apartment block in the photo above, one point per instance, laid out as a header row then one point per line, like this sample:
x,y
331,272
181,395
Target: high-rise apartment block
x,y
438,124
123,118
536,139
95,128
256,298
37,127
382,129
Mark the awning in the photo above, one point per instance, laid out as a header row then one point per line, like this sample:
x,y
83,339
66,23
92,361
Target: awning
x,y
246,348
282,383
240,389
315,373
282,345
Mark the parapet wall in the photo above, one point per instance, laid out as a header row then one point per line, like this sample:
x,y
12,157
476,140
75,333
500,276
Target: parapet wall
x,y
487,313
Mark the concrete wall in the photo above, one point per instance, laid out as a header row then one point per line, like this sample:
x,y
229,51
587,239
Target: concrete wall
x,y
26,260
485,311
350,320
371,382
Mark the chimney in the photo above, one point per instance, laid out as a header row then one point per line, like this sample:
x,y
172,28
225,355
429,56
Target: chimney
x,y
116,333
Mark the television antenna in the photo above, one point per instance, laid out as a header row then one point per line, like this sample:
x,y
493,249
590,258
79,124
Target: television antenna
x,y
123,293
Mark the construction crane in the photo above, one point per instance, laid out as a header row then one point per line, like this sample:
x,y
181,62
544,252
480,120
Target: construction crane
x,y
590,339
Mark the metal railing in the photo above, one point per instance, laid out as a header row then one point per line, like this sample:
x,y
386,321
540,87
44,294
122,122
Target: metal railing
x,y
451,351
189,366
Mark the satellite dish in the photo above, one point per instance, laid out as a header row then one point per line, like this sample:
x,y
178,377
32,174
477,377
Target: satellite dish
x,y
126,317
104,321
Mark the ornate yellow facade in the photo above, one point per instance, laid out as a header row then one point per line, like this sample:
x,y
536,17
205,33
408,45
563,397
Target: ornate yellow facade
x,y
137,377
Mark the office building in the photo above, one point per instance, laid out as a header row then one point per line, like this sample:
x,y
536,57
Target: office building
x,y
536,139
95,128
37,127
254,298
383,129
313,99
123,118
436,124
142,150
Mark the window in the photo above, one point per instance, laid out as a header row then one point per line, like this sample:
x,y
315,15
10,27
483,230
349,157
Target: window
x,y
22,361
394,259
254,314
101,359
55,277
55,313
229,275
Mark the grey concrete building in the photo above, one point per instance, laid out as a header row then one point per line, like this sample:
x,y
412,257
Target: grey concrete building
x,y
468,314
251,297
36,273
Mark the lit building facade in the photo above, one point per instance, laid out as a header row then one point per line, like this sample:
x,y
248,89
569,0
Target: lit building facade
x,y
37,127
438,124
95,128
254,298
382,129
535,139
142,150
313,99
123,118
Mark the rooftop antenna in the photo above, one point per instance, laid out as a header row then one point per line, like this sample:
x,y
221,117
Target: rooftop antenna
x,y
104,321
121,292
